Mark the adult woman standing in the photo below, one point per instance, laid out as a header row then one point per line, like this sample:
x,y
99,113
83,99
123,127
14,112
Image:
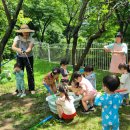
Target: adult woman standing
x,y
119,51
23,44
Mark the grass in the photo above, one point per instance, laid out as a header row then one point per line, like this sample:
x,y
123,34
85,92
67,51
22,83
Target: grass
x,y
23,114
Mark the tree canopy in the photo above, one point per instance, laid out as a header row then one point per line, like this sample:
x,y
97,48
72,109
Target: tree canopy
x,y
65,21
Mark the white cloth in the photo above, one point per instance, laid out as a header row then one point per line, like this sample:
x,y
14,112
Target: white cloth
x,y
67,106
125,82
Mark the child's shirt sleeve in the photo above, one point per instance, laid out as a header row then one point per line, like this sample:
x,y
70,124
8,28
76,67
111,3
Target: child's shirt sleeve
x,y
16,39
84,87
89,77
60,101
123,78
63,72
99,100
118,99
46,79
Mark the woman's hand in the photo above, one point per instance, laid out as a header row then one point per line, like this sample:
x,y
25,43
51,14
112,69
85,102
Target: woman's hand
x,y
106,49
28,50
117,52
19,50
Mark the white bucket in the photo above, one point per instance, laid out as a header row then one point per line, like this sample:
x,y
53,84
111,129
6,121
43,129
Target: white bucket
x,y
51,101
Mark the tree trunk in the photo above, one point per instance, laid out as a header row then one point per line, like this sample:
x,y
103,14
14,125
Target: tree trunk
x,y
46,24
67,52
88,46
11,24
75,39
77,28
42,36
5,40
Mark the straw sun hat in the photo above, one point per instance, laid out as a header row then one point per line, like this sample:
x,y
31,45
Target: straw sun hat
x,y
24,28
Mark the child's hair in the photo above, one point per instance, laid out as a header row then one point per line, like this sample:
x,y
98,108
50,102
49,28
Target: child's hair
x,y
76,83
123,66
56,71
63,89
88,68
76,75
64,62
17,65
112,82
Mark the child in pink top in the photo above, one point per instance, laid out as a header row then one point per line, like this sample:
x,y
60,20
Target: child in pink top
x,y
87,90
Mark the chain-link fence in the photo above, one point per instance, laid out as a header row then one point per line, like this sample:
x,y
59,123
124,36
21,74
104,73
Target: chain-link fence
x,y
54,53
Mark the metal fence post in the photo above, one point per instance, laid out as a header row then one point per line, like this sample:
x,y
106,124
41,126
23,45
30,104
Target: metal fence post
x,y
49,56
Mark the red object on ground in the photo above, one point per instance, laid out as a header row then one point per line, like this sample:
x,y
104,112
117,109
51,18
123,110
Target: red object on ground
x,y
64,116
120,90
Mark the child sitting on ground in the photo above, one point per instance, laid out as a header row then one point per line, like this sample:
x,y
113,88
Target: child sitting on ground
x,y
90,75
86,90
64,71
19,74
125,82
51,78
110,103
65,105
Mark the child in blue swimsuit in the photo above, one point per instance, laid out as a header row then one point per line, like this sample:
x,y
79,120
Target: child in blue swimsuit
x,y
19,75
110,103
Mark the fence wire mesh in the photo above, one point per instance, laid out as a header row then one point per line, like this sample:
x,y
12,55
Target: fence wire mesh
x,y
54,53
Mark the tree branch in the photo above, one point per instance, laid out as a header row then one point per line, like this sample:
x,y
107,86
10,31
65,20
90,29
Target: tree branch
x,y
8,15
95,36
46,24
77,28
19,5
89,43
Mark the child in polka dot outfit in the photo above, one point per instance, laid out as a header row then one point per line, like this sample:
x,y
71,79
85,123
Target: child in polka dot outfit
x,y
110,103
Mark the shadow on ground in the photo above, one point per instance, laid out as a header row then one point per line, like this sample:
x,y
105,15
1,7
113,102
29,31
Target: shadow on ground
x,y
23,114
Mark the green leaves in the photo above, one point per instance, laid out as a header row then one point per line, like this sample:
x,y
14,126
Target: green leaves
x,y
22,20
105,9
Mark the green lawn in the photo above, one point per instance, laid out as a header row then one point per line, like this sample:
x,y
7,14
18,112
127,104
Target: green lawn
x,y
23,114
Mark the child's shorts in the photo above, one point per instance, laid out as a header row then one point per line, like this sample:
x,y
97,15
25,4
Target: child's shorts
x,y
65,116
125,96
91,94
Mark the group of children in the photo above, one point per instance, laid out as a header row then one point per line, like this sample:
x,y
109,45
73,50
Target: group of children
x,y
85,84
